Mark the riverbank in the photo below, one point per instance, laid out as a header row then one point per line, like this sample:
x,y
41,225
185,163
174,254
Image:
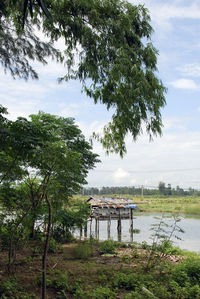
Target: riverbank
x,y
102,270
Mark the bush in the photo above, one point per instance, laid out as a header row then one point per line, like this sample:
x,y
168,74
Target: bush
x,y
187,272
11,289
126,281
62,236
166,247
101,293
8,288
83,251
107,246
134,295
54,247
60,281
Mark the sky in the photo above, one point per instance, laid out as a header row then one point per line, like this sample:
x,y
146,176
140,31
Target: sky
x,y
172,158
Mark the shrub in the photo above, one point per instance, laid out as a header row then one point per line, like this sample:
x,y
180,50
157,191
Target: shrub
x,y
187,272
60,281
101,293
11,289
54,247
98,293
166,247
136,231
145,245
133,295
107,246
83,251
126,281
8,287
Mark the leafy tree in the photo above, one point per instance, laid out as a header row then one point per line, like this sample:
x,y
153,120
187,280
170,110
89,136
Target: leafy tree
x,y
54,158
169,190
116,59
162,188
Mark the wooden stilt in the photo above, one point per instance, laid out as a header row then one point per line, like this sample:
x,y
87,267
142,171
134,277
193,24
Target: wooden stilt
x,y
90,227
85,230
96,227
81,232
119,227
131,225
131,219
108,225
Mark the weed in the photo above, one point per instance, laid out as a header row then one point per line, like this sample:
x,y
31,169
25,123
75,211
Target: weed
x,y
121,245
11,289
60,281
8,287
162,235
54,247
135,253
36,251
136,231
166,247
187,272
126,281
133,295
145,245
107,246
83,251
101,293
126,259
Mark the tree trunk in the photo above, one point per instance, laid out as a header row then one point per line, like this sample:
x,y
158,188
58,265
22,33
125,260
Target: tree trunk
x,y
46,246
32,229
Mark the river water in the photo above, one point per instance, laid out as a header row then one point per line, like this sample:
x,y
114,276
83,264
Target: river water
x,y
143,222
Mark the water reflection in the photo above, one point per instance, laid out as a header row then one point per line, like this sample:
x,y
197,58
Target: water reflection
x,y
121,230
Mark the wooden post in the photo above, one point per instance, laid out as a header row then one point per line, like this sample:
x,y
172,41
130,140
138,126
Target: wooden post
x,y
131,219
109,224
81,232
90,227
96,227
85,230
119,227
131,225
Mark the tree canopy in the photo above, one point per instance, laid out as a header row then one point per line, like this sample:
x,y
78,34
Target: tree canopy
x,y
107,47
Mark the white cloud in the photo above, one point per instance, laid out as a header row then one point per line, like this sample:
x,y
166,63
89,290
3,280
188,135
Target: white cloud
x,y
120,175
172,159
185,84
70,110
175,123
162,13
17,107
192,70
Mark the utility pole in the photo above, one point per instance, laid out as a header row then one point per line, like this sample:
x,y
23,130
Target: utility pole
x,y
142,191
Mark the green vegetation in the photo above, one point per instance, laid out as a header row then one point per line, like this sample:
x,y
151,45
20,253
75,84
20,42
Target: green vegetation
x,y
161,191
43,162
117,62
186,205
174,204
107,246
123,275
83,251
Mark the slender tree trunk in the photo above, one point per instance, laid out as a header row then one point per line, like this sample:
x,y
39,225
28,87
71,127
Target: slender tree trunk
x,y
12,245
46,246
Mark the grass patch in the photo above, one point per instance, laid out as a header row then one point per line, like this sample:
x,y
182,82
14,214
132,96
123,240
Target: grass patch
x,y
74,273
83,251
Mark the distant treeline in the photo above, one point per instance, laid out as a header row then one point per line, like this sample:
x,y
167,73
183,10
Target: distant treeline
x,y
162,189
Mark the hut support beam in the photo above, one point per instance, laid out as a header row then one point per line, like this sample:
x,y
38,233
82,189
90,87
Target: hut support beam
x,y
119,227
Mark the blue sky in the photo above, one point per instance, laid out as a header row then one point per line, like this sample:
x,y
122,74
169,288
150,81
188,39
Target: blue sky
x,y
174,158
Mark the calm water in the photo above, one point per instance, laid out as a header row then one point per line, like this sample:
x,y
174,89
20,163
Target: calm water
x,y
143,221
